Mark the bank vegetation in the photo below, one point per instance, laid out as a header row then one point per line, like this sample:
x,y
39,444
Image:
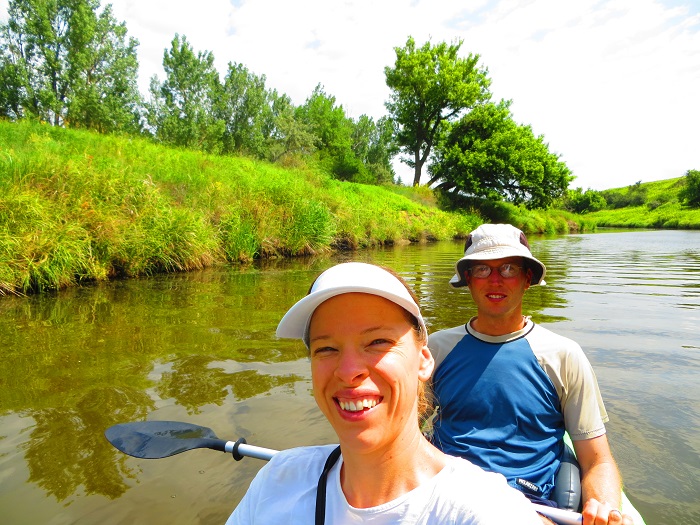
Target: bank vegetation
x,y
80,206
670,203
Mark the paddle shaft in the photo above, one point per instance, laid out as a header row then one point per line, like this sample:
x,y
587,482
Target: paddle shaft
x,y
563,517
249,451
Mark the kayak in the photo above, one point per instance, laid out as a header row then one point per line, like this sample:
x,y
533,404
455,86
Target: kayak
x,y
627,507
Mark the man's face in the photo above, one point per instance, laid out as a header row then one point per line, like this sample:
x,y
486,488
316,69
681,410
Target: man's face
x,y
498,298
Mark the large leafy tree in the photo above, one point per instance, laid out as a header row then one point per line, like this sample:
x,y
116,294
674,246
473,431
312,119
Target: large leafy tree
x,y
487,154
63,62
106,96
431,86
182,107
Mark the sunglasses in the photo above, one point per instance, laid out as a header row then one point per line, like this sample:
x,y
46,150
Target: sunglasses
x,y
482,271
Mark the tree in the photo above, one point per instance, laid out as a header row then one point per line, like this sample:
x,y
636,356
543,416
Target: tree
x,y
61,62
244,106
288,136
333,131
430,87
373,143
13,81
106,96
486,154
579,201
182,108
690,193
634,195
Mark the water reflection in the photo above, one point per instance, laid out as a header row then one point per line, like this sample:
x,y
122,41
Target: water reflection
x,y
193,384
81,360
66,452
200,347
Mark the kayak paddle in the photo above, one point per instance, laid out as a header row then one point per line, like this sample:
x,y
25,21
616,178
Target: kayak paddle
x,y
162,439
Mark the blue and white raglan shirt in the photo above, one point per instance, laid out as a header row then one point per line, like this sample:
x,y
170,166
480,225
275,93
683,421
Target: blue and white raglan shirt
x,y
506,401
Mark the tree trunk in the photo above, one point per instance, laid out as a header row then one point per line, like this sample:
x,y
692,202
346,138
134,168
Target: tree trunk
x,y
417,167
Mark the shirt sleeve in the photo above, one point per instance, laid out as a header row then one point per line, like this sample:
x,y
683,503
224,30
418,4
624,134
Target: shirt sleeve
x,y
441,343
584,412
284,489
574,379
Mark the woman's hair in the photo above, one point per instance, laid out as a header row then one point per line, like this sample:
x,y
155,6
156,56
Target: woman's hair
x,y
426,405
426,399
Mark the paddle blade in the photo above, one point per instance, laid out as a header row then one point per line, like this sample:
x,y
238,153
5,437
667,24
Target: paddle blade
x,y
161,439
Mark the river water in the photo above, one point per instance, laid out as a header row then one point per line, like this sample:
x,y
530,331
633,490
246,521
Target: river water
x,y
199,347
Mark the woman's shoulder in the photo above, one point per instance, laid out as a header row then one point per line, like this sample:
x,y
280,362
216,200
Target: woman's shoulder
x,y
301,459
463,468
293,470
289,480
304,452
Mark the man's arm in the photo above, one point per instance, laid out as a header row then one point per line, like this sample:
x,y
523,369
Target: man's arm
x,y
600,478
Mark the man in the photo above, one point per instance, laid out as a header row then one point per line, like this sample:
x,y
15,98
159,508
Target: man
x,y
508,389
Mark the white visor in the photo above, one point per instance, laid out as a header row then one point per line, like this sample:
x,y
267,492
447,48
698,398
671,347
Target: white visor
x,y
340,279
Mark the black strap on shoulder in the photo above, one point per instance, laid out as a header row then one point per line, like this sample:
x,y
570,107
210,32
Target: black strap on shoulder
x,y
321,490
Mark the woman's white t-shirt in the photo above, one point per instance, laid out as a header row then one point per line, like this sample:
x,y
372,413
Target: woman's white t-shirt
x,y
284,493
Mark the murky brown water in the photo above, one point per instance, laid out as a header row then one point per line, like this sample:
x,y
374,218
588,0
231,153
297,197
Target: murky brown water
x,y
200,347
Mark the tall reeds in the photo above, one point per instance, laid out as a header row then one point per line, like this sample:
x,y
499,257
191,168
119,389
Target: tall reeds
x,y
78,206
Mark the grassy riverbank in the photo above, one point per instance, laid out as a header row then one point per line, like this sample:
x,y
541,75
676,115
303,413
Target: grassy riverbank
x,y
647,205
78,206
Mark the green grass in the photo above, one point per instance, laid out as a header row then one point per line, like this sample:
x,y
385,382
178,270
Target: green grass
x,y
660,207
78,206
670,216
551,221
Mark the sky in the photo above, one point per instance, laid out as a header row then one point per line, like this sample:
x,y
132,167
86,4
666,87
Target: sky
x,y
612,85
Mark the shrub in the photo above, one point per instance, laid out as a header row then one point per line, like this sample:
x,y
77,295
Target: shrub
x,y
636,195
690,193
579,201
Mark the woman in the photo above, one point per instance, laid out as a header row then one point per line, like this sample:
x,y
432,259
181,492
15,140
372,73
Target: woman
x,y
369,364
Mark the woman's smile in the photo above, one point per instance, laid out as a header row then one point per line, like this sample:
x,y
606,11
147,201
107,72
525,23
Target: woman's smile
x,y
358,405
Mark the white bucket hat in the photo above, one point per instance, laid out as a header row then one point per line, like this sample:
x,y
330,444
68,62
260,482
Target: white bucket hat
x,y
497,241
340,279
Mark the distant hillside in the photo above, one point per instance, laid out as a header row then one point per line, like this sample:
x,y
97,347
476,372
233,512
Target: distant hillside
x,y
647,205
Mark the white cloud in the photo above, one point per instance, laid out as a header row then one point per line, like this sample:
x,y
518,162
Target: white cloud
x,y
612,84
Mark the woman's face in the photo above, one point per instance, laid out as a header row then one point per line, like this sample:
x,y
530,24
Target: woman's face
x,y
365,366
